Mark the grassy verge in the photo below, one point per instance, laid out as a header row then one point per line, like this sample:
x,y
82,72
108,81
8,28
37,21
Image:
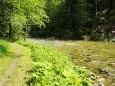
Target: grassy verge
x,y
6,56
54,68
21,74
8,53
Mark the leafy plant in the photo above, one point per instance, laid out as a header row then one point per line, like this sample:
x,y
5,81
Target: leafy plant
x,y
4,46
16,17
54,68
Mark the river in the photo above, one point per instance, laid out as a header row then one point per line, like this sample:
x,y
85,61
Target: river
x,y
99,57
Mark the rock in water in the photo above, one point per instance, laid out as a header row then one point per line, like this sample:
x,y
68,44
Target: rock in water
x,y
99,84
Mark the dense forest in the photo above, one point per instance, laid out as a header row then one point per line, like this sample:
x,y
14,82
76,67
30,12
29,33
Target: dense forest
x,y
60,19
78,19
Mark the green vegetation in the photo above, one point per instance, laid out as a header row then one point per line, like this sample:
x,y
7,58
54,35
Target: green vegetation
x,y
54,68
6,56
55,19
61,19
16,17
19,72
93,55
4,47
78,19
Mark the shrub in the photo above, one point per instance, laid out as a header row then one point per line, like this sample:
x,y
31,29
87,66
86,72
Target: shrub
x,y
3,47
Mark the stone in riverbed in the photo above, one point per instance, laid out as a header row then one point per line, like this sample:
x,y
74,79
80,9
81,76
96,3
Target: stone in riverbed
x,y
108,72
101,80
113,84
69,44
98,84
104,70
112,64
85,55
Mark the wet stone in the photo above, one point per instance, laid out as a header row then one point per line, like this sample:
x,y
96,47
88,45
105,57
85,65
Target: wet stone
x,y
108,72
98,84
85,55
112,64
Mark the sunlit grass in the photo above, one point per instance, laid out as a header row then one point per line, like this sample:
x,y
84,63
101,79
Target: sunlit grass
x,y
21,74
4,46
7,54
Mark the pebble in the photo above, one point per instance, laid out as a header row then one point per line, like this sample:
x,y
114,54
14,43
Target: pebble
x,y
98,84
112,64
101,80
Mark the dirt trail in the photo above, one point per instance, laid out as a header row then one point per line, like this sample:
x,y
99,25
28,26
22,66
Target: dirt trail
x,y
12,67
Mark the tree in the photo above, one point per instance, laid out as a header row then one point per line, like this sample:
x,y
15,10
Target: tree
x,y
76,19
18,16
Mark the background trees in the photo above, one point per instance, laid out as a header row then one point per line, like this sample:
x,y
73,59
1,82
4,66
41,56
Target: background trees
x,y
16,16
79,19
69,19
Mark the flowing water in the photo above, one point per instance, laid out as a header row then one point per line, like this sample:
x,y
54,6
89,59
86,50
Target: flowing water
x,y
99,57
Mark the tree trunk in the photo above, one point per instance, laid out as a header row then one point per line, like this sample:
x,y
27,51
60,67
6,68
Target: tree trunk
x,y
96,8
10,31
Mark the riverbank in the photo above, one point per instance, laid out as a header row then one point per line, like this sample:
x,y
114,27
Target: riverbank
x,y
96,56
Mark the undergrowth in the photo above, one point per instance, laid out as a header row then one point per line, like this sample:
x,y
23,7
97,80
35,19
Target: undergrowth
x,y
4,46
53,68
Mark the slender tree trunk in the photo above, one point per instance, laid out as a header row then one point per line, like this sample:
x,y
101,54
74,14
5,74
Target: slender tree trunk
x,y
96,22
10,31
48,6
96,8
108,5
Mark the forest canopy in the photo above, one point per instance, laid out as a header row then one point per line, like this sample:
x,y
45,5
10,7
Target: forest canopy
x,y
17,16
61,19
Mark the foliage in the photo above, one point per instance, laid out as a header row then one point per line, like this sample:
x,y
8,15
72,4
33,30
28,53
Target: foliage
x,y
11,53
54,68
4,47
20,75
69,19
16,16
73,19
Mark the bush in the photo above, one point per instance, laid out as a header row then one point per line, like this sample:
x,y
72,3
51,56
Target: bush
x,y
3,47
54,68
